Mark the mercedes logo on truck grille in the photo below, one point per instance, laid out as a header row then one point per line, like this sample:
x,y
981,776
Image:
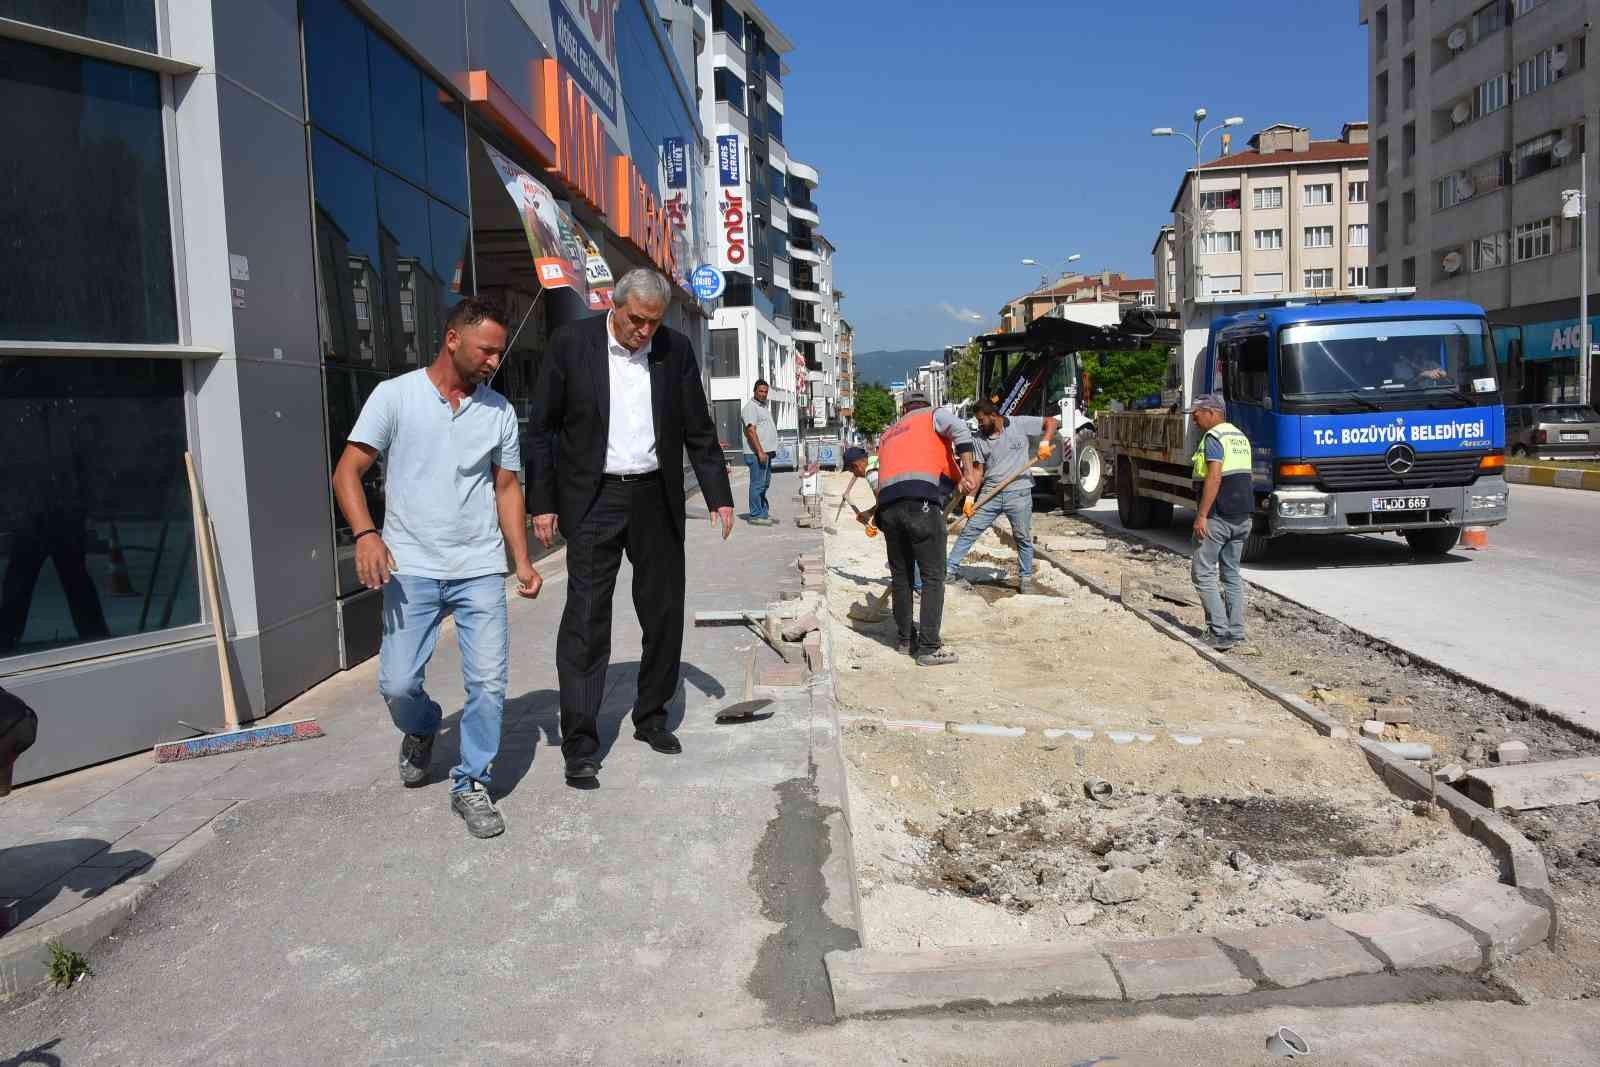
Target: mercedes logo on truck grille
x,y
1400,458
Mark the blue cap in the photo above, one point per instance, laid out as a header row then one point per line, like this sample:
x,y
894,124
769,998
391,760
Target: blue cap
x,y
854,455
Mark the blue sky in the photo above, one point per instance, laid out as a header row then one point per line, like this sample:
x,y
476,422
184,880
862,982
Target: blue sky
x,y
954,139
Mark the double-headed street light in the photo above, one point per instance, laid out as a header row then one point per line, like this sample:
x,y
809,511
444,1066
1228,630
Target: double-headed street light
x,y
1044,273
1194,184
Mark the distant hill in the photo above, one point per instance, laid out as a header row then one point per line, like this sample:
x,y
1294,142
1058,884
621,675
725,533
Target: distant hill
x,y
892,365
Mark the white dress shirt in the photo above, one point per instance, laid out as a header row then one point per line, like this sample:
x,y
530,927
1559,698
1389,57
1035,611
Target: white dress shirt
x,y
631,438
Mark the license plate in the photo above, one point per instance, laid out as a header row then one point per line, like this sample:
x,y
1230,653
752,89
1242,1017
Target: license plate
x,y
1399,503
1574,437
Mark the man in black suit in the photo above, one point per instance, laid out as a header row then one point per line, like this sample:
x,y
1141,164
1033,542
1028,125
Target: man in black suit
x,y
618,401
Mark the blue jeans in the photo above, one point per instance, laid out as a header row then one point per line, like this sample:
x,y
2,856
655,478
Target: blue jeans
x,y
1016,504
1220,551
760,478
413,610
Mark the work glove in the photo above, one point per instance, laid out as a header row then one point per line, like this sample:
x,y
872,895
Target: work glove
x,y
1044,450
872,531
968,508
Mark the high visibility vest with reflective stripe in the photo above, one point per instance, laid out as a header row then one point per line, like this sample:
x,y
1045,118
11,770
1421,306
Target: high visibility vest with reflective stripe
x,y
1236,495
914,462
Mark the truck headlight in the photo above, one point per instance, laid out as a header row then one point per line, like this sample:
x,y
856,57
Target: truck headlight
x,y
1303,509
1486,501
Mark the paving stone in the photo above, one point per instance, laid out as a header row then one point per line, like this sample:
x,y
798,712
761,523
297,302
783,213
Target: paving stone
x,y
1304,952
1175,966
867,981
782,676
1497,913
1511,752
31,866
63,895
1412,939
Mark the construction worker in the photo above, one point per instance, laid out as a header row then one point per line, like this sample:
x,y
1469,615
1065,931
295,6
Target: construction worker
x,y
858,463
1004,458
1222,463
922,459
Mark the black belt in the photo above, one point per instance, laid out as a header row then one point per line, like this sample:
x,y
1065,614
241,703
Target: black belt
x,y
646,476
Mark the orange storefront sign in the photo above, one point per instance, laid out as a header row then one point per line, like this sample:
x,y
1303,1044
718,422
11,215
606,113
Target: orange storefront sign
x,y
564,133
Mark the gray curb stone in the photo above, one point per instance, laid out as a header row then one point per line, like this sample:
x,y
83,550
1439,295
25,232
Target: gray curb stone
x,y
1409,939
1290,956
1176,966
1503,920
867,982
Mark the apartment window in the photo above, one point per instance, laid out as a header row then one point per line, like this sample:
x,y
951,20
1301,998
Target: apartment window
x,y
1535,156
1319,278
1269,240
729,88
1381,158
774,64
1489,252
724,359
1319,237
1267,198
1220,200
730,426
1222,284
1220,241
1408,82
1380,32
1268,282
1355,192
1522,7
1380,97
1408,18
1488,19
725,18
1408,148
1451,190
1318,195
1355,278
1532,240
1489,97
1147,300
1541,69
1356,235
774,124
1408,271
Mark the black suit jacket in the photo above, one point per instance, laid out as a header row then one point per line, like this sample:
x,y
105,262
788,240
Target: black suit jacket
x,y
572,414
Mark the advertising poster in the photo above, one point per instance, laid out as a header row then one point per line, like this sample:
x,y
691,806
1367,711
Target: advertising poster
x,y
599,275
676,153
729,165
550,239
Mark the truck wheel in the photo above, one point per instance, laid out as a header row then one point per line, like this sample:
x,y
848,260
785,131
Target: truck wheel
x,y
1255,546
1434,542
1132,509
1091,472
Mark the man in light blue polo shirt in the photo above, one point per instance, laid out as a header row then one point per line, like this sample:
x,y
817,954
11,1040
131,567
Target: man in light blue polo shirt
x,y
452,507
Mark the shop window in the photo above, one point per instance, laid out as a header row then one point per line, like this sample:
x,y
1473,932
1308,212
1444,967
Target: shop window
x,y
397,137
96,535
351,309
446,131
87,252
412,289
724,354
126,22
339,94
730,432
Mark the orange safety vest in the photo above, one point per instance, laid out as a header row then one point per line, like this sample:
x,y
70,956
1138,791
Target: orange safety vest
x,y
914,462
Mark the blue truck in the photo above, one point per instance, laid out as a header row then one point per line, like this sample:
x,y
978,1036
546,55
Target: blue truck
x,y
1364,416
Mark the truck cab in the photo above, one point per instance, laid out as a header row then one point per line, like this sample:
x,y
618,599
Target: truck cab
x,y
1366,417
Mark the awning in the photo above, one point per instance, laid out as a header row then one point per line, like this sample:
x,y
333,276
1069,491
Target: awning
x,y
564,256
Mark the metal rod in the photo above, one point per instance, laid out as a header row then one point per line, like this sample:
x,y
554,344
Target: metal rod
x,y
1584,357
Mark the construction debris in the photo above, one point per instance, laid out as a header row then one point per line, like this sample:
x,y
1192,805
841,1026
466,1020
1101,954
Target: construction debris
x,y
1117,886
1511,752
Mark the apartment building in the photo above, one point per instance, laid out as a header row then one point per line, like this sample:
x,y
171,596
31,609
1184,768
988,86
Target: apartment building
x,y
1166,260
1479,117
1076,289
769,322
1287,216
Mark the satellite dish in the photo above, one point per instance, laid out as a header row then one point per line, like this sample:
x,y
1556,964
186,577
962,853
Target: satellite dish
x,y
1464,186
1561,149
1558,61
1457,39
1451,262
1460,112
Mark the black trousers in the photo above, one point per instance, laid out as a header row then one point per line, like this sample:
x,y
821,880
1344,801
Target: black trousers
x,y
914,534
631,518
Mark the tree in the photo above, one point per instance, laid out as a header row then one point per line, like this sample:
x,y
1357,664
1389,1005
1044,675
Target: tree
x,y
963,378
874,408
1124,376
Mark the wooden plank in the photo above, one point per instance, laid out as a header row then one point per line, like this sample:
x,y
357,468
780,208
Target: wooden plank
x,y
1537,785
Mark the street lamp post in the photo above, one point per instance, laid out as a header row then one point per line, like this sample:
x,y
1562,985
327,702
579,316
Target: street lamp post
x,y
1044,274
1575,202
1194,186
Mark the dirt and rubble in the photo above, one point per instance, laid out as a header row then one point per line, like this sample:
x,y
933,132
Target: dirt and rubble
x,y
1355,678
1226,811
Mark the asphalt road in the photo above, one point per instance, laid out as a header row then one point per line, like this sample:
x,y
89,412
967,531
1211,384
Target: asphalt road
x,y
1521,616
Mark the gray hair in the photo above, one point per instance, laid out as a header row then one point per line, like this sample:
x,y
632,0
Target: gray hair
x,y
642,285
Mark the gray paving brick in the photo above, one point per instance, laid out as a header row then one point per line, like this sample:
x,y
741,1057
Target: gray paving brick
x,y
1174,966
1293,955
1412,939
1498,914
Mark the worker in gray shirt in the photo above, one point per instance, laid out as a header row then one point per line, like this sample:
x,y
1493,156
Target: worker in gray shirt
x,y
760,441
1005,457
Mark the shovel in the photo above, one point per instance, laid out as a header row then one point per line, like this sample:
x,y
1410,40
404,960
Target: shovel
x,y
745,709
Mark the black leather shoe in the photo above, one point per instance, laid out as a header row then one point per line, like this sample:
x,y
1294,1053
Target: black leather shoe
x,y
662,740
583,767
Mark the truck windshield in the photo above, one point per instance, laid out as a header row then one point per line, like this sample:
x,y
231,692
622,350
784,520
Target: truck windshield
x,y
1356,364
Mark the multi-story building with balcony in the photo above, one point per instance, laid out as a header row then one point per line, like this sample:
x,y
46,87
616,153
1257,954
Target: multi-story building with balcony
x,y
770,321
1479,117
1287,216
1076,288
1166,260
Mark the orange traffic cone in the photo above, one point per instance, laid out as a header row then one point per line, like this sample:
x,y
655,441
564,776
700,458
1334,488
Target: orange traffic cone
x,y
118,582
1475,537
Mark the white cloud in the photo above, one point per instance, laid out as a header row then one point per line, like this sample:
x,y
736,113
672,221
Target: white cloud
x,y
961,314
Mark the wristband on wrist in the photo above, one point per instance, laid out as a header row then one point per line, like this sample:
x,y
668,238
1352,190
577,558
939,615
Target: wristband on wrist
x,y
363,533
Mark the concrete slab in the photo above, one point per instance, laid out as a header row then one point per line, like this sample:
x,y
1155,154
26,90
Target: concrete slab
x,y
1409,938
1537,785
1289,956
1500,916
865,982
29,867
1174,966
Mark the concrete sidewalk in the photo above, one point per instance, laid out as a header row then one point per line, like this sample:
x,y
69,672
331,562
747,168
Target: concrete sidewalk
x,y
716,879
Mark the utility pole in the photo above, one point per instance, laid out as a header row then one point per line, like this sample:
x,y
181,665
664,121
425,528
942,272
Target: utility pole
x,y
1194,188
1575,202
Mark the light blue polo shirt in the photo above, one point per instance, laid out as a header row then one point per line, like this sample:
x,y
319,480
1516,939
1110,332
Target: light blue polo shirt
x,y
440,519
